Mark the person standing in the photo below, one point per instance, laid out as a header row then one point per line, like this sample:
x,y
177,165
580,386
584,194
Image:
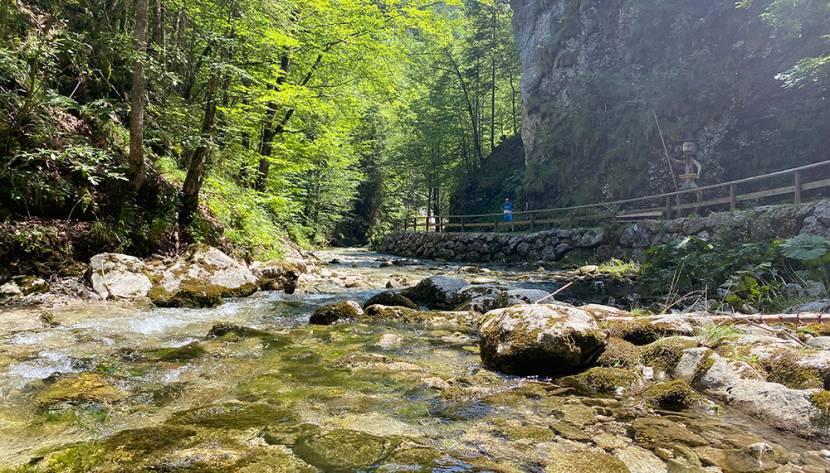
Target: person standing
x,y
507,208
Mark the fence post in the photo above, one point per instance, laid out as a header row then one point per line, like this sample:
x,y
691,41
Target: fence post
x,y
532,221
797,187
668,210
462,224
733,198
495,224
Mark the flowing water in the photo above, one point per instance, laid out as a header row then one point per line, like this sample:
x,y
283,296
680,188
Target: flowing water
x,y
159,395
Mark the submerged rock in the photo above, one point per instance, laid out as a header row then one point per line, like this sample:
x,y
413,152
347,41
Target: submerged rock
x,y
333,313
592,461
437,292
83,387
539,339
344,450
654,432
391,298
202,277
114,275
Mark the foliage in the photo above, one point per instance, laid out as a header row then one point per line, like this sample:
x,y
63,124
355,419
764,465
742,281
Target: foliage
x,y
325,110
812,252
748,274
713,335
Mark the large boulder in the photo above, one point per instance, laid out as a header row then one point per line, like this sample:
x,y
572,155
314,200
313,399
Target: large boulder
x,y
437,292
391,298
541,339
277,275
113,275
333,313
202,277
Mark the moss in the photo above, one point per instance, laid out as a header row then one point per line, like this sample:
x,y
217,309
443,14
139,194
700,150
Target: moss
x,y
232,416
638,332
821,400
784,368
672,395
664,354
189,294
84,387
702,368
226,330
184,353
344,450
332,313
619,354
587,462
602,380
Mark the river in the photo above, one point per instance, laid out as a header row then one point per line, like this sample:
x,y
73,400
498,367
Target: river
x,y
288,396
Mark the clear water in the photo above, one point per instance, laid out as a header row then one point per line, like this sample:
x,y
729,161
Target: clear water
x,y
304,398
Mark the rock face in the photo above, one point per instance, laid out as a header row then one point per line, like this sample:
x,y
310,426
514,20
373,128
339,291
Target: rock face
x,y
114,275
596,68
437,292
200,278
539,339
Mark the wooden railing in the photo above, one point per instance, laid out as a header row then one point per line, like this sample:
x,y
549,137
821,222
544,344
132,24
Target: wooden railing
x,y
790,185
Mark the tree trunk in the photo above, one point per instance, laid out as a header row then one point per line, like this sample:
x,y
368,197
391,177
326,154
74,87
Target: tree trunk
x,y
138,100
493,84
189,202
271,131
476,138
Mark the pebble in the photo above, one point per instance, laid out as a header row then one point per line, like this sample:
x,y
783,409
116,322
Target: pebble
x,y
390,341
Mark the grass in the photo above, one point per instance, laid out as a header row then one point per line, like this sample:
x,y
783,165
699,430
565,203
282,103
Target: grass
x,y
619,268
713,335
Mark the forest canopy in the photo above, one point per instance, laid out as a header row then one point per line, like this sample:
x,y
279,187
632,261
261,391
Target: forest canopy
x,y
266,119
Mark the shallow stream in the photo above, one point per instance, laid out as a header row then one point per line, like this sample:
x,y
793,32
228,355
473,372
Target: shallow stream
x,y
163,396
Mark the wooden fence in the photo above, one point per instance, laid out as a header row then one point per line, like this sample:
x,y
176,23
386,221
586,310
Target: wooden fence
x,y
790,185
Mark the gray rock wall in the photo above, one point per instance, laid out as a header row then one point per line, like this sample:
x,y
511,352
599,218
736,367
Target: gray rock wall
x,y
583,244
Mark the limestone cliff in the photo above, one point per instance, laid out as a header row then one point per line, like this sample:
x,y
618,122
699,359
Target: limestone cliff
x,y
594,70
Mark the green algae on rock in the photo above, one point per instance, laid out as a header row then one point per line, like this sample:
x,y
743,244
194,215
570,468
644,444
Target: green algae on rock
x,y
344,450
233,416
177,354
332,313
653,432
82,387
588,461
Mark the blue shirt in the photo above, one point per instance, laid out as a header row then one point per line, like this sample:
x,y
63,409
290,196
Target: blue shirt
x,y
508,206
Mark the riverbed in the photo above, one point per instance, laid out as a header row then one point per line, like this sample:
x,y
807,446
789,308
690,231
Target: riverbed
x,y
251,386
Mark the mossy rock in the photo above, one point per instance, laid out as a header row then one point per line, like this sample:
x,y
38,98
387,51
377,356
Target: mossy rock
x,y
333,313
344,450
78,388
224,330
190,294
234,416
664,354
784,368
601,380
821,400
636,331
654,432
178,354
619,354
672,395
587,462
392,299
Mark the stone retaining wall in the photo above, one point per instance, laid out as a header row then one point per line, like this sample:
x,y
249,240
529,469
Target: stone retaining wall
x,y
621,241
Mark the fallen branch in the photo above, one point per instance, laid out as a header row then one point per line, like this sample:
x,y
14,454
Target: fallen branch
x,y
796,319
